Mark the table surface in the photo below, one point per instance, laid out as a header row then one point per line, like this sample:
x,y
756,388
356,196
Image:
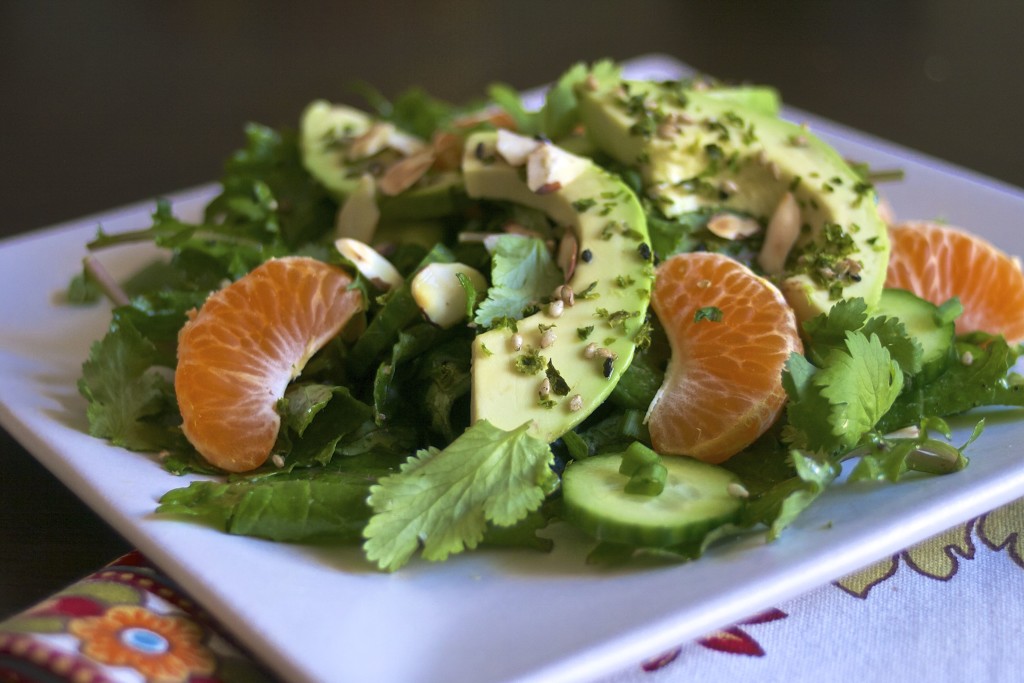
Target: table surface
x,y
109,103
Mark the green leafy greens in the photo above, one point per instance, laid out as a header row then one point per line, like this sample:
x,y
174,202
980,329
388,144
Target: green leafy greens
x,y
444,499
376,445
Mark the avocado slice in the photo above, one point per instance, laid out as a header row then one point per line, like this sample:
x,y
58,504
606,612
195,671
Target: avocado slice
x,y
760,98
595,337
701,148
328,137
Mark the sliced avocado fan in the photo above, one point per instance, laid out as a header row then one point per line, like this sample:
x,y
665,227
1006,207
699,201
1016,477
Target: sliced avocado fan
x,y
699,148
560,363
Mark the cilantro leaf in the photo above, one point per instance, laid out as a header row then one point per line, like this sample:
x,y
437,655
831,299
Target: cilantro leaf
x,y
892,333
814,474
268,193
860,386
807,410
827,331
522,273
986,380
445,499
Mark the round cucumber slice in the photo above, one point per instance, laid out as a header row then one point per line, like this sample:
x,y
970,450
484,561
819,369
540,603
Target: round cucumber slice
x,y
695,500
922,322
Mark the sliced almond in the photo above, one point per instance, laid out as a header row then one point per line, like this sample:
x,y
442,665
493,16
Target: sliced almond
x,y
515,148
359,215
402,175
404,143
439,294
447,150
568,252
369,262
373,141
494,115
729,226
780,236
549,168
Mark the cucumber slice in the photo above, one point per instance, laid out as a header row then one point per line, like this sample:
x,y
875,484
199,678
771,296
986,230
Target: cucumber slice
x,y
695,500
922,321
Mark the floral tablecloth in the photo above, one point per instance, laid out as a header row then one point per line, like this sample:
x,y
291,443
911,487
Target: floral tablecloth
x,y
948,609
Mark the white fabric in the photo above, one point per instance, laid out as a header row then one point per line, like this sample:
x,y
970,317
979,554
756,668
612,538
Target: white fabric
x,y
948,609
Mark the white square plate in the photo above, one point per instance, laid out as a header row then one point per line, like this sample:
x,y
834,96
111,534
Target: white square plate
x,y
320,614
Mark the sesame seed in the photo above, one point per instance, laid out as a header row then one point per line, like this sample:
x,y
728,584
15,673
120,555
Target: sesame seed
x,y
555,308
590,350
547,339
586,255
545,387
967,358
645,251
609,366
278,460
576,403
517,342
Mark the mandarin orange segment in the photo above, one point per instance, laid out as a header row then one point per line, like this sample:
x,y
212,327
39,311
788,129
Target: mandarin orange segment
x,y
723,386
937,262
237,355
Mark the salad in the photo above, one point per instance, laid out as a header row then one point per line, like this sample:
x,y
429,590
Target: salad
x,y
493,354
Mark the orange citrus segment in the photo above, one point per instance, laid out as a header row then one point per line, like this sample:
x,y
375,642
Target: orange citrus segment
x,y
237,355
723,386
937,262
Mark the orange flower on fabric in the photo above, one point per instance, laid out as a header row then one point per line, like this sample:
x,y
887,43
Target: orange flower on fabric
x,y
163,648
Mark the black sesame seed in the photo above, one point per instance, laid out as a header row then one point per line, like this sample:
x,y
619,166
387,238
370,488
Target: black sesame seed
x,y
586,255
645,251
609,366
479,151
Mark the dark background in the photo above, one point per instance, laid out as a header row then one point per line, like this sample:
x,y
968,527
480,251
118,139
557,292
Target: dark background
x,y
107,103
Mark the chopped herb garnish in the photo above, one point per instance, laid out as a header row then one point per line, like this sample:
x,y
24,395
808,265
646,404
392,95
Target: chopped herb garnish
x,y
709,313
590,292
632,233
530,362
504,323
559,386
642,337
581,205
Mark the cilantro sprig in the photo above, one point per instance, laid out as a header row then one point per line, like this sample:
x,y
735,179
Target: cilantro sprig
x,y
444,500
